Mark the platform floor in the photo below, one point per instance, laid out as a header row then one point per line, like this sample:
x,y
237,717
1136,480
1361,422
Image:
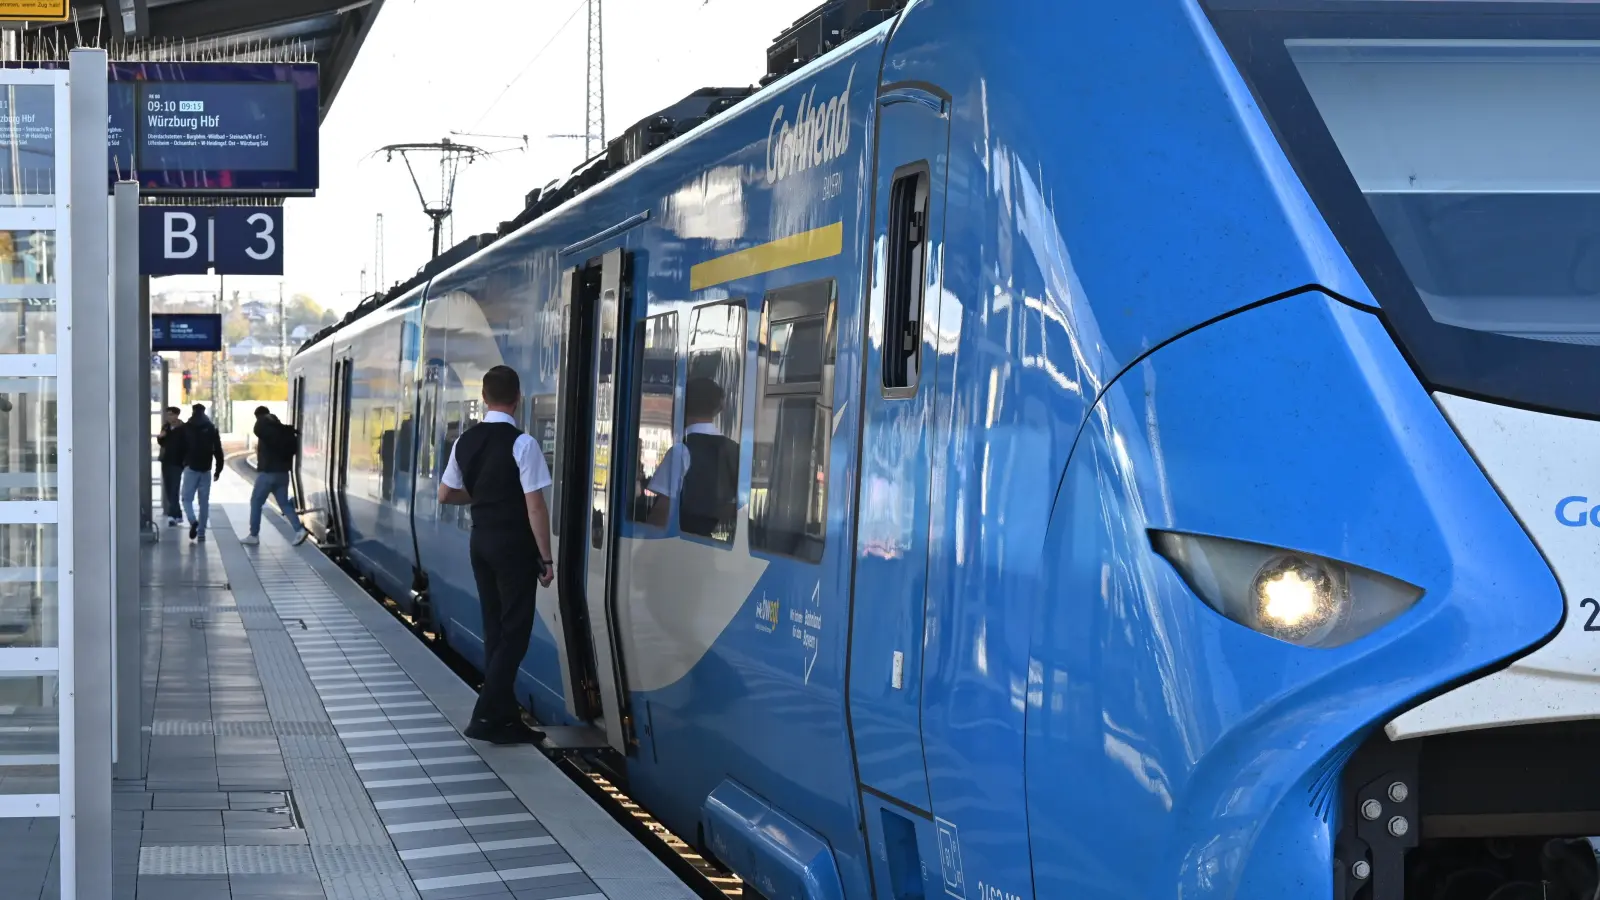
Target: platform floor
x,y
303,745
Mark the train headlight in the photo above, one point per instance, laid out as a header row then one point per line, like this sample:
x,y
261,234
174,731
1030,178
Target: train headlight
x,y
1295,597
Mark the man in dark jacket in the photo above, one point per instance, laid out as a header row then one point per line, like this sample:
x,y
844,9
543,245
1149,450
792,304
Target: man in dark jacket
x,y
172,452
202,447
276,445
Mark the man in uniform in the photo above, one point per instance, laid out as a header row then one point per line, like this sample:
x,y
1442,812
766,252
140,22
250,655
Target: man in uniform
x,y
500,472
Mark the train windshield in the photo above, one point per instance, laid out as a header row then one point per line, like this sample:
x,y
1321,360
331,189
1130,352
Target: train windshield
x,y
1456,154
1482,167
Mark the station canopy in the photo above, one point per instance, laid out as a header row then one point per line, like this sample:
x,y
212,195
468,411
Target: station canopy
x,y
327,32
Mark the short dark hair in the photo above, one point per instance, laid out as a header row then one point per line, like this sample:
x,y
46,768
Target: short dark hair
x,y
200,409
262,411
702,398
174,410
501,386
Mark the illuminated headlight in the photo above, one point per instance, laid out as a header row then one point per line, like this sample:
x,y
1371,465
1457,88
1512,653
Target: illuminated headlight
x,y
1295,597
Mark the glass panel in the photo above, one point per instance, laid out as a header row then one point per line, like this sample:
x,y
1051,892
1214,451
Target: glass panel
x,y
29,584
656,412
701,473
30,735
27,324
716,351
789,471
27,439
27,145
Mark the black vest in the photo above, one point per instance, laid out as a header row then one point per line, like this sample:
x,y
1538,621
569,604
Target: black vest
x,y
488,461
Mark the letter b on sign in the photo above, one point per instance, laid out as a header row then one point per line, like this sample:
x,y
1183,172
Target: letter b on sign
x,y
178,229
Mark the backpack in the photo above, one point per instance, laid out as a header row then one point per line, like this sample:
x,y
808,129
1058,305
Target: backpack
x,y
285,440
709,498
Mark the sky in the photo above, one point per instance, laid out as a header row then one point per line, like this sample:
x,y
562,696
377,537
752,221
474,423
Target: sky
x,y
495,70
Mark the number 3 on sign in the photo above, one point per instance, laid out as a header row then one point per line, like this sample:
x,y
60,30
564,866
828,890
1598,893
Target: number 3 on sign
x,y
264,222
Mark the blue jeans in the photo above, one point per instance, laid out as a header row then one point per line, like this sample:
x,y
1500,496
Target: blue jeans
x,y
275,484
197,481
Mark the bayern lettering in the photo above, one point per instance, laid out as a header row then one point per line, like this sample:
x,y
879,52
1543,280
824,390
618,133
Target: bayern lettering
x,y
818,134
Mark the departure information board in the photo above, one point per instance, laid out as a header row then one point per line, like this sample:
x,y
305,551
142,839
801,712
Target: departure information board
x,y
215,127
181,128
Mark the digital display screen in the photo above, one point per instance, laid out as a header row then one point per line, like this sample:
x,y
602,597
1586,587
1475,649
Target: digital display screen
x,y
180,128
199,331
217,127
202,127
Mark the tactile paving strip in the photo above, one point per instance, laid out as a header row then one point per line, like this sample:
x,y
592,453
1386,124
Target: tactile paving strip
x,y
176,728
286,860
351,850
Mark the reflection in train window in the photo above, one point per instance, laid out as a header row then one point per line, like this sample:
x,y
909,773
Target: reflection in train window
x,y
789,473
656,360
699,476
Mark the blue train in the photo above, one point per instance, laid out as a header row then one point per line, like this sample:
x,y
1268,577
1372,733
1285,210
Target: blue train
x,y
1165,439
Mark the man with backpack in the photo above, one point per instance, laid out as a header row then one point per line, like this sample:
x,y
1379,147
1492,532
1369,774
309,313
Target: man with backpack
x,y
202,446
276,447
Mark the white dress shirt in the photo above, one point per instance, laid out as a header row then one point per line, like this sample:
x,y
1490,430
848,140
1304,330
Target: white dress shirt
x,y
530,460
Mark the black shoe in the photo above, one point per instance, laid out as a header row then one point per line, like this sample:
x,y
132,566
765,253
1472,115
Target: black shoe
x,y
479,730
505,734
201,539
194,530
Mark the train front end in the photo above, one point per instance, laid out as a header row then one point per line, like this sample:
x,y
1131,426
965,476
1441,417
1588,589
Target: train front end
x,y
1453,151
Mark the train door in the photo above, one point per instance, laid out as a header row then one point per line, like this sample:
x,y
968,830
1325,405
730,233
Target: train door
x,y
586,503
885,677
297,418
339,459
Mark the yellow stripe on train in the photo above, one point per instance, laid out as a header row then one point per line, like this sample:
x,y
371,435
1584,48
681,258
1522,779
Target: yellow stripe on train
x,y
808,246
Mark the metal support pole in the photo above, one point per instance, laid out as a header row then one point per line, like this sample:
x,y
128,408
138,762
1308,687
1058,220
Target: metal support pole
x,y
86,757
146,430
130,359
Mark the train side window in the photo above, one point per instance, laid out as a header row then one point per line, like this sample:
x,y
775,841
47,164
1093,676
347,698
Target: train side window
x,y
699,476
794,422
656,411
905,280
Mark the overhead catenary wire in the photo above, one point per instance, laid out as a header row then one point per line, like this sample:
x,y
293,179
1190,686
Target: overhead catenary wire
x,y
582,5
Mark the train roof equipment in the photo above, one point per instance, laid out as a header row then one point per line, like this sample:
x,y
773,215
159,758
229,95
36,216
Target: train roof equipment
x,y
811,37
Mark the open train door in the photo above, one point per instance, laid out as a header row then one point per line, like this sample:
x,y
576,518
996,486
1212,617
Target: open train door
x,y
890,585
339,459
586,557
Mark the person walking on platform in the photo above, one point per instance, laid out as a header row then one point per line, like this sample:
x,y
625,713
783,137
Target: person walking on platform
x,y
202,445
276,446
501,473
172,454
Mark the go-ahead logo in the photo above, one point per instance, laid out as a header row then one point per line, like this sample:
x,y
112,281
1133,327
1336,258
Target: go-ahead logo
x,y
1575,512
818,133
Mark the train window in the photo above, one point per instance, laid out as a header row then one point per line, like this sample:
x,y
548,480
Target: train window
x,y
905,280
794,422
703,478
656,411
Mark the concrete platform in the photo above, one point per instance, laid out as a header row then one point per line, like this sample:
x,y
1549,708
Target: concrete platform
x,y
300,744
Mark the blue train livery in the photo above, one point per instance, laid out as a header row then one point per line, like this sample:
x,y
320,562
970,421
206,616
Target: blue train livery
x,y
1152,451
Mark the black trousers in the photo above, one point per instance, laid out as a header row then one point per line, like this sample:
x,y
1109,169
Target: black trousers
x,y
171,482
507,568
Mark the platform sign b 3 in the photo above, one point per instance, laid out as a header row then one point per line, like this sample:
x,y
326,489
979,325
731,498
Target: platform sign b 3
x,y
35,10
221,240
